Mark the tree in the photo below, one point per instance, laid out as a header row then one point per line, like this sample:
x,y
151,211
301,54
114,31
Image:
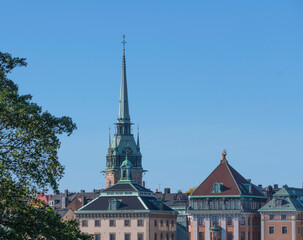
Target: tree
x,y
191,190
29,146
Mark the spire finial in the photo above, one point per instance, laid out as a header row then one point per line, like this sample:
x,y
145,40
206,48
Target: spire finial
x,y
138,142
123,42
224,153
109,140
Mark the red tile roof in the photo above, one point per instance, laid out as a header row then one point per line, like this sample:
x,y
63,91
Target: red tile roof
x,y
233,182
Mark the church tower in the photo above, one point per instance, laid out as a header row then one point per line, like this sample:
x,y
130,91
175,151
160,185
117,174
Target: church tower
x,y
123,143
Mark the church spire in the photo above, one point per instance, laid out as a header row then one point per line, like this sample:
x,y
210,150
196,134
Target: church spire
x,y
123,116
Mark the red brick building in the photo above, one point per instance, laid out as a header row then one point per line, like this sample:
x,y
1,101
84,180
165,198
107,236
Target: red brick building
x,y
225,206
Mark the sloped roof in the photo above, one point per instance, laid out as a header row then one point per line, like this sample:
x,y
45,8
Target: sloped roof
x,y
127,203
62,211
140,199
233,182
126,187
75,204
291,199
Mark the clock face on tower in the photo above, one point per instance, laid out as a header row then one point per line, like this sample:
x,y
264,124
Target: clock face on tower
x,y
127,150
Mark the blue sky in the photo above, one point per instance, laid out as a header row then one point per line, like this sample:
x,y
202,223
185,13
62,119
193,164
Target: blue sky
x,y
202,76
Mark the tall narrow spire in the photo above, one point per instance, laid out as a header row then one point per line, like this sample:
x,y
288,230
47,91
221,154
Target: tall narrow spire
x,y
123,116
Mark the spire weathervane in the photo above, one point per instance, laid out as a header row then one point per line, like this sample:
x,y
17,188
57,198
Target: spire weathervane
x,y
224,153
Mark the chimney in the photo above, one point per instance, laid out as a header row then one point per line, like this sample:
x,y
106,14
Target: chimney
x,y
82,191
260,186
64,202
276,185
248,180
83,200
156,190
66,192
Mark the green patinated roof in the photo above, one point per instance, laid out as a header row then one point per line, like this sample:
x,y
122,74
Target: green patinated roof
x,y
126,163
287,199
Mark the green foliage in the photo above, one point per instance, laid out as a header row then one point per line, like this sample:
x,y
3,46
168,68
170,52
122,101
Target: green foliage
x,y
29,146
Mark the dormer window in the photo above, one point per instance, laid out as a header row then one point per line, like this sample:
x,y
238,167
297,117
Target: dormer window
x,y
113,204
217,188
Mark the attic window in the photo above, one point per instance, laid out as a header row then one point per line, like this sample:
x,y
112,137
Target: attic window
x,y
217,188
113,204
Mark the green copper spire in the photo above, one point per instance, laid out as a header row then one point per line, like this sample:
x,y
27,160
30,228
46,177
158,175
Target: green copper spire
x,y
123,116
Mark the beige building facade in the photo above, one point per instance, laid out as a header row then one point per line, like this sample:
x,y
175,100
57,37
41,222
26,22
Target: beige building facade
x,y
128,211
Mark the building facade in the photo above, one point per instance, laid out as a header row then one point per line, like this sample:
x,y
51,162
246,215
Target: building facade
x,y
282,216
128,211
123,141
225,206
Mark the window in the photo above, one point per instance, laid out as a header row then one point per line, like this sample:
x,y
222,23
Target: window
x,y
112,236
230,236
97,236
140,236
113,204
172,236
127,223
112,223
284,229
229,221
167,236
278,202
161,223
155,223
84,223
242,221
167,223
201,235
161,236
283,217
126,236
242,235
173,223
201,221
140,222
156,236
271,230
217,187
271,217
97,223
215,221
299,232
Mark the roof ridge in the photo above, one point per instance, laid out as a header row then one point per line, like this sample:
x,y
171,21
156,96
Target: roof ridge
x,y
205,179
228,165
